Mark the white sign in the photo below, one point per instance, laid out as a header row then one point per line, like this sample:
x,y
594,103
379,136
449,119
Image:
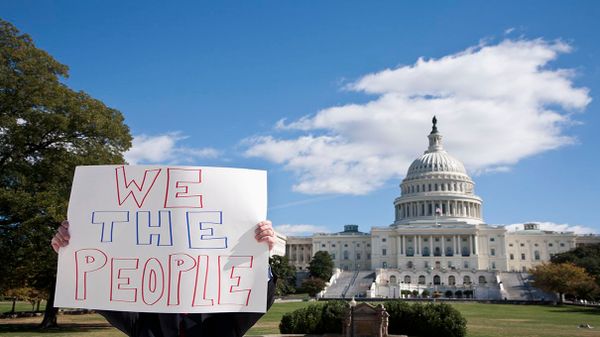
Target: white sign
x,y
165,239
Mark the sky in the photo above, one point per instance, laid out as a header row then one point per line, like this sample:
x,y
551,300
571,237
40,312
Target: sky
x,y
335,99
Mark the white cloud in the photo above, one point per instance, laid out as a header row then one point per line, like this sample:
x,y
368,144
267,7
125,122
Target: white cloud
x,y
496,104
551,226
300,229
164,149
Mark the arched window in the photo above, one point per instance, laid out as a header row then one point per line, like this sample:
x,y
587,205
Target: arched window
x,y
406,279
437,251
451,280
482,280
465,251
410,251
437,279
421,279
466,280
449,251
536,255
426,251
393,279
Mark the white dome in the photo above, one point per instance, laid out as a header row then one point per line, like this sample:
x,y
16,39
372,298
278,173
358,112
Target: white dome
x,y
439,161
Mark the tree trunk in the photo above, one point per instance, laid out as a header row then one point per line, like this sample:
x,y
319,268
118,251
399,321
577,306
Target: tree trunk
x,y
50,313
38,305
12,311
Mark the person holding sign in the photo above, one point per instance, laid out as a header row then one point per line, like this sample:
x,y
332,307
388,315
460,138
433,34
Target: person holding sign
x,y
150,324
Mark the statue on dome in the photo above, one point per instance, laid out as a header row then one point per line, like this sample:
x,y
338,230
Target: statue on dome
x,y
434,128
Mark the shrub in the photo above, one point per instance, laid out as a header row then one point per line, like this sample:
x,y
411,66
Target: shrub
x,y
313,286
315,319
425,320
425,293
448,293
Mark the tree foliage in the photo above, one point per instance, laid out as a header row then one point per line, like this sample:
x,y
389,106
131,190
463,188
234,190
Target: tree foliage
x,y
313,286
46,130
286,275
587,257
564,279
321,265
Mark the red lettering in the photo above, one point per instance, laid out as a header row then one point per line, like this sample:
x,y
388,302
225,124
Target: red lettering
x,y
86,261
137,191
179,184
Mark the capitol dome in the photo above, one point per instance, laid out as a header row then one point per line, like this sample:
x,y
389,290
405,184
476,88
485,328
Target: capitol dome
x,y
437,186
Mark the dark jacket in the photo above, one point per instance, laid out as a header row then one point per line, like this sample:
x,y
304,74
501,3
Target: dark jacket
x,y
144,324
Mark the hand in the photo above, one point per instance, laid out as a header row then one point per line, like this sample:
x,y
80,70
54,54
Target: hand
x,y
61,238
265,233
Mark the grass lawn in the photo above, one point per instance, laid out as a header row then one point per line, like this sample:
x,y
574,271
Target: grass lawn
x,y
20,306
484,320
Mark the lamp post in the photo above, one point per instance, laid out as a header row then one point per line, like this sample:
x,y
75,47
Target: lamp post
x,y
352,305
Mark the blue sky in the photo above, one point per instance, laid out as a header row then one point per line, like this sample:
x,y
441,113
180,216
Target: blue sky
x,y
335,99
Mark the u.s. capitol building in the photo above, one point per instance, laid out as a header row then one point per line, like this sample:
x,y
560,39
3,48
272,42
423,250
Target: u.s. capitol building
x,y
438,242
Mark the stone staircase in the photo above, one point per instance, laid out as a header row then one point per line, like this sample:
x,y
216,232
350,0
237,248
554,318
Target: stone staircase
x,y
350,284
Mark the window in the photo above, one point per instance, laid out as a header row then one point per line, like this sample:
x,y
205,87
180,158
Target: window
x,y
512,256
466,280
451,280
493,252
384,252
345,245
323,246
536,244
421,279
393,279
562,244
522,256
409,264
333,245
522,245
482,280
346,255
466,264
368,256
437,280
383,264
358,245
492,239
358,256
550,245
368,245
493,265
333,256
536,255
407,279
383,239
510,244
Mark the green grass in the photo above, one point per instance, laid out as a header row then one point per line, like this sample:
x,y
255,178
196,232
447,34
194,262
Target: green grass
x,y
484,320
20,306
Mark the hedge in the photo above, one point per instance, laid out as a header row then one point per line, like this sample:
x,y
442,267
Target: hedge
x,y
424,320
315,319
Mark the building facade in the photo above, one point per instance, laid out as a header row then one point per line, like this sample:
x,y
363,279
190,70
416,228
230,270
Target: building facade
x,y
438,240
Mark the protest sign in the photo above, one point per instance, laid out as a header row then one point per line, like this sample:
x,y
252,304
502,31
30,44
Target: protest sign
x,y
165,239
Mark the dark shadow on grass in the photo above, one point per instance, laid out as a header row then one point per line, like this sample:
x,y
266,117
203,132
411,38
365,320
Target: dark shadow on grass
x,y
65,327
579,310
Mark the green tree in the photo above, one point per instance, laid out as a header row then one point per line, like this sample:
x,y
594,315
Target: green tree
x,y
46,130
313,286
587,257
321,265
564,279
286,275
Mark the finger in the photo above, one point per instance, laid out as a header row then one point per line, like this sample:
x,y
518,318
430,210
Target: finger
x,y
263,225
65,224
64,233
266,233
54,245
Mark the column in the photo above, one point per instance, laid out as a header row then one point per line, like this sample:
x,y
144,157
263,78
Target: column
x,y
430,245
417,245
470,245
403,245
443,239
455,244
475,248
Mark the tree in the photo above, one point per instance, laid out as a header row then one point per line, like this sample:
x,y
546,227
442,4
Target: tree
x,y
286,275
564,279
46,130
313,286
321,265
587,257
